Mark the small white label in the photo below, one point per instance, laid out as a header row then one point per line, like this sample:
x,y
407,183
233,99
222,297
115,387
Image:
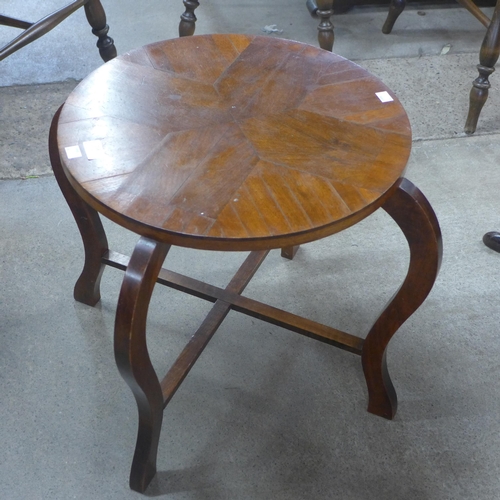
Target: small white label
x,y
384,96
73,152
93,149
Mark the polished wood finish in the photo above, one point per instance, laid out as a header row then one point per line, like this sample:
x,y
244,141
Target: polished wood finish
x,y
32,31
227,103
132,358
414,215
322,8
235,143
87,287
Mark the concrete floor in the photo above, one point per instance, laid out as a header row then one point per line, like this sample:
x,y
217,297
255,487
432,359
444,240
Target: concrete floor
x,y
264,414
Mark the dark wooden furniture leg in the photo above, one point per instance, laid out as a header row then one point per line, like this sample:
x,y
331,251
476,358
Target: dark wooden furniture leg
x,y
395,9
132,356
488,57
325,28
289,252
188,19
97,20
152,396
87,287
414,215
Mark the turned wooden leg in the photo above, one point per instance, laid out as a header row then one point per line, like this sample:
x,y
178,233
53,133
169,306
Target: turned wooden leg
x,y
395,9
325,28
488,57
188,19
87,219
132,358
414,215
97,19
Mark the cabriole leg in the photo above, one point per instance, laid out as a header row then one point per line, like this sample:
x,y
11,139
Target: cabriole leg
x,y
132,356
416,218
87,219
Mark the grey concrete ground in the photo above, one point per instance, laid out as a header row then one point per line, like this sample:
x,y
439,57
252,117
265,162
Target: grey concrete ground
x,y
265,414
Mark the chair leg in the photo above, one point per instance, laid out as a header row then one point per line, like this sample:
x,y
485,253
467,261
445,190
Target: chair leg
x,y
97,20
325,28
395,9
188,19
490,50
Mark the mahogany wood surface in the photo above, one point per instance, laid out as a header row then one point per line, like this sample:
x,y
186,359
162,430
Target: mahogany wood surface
x,y
234,142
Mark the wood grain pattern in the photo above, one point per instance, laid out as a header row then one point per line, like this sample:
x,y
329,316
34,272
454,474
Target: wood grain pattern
x,y
219,142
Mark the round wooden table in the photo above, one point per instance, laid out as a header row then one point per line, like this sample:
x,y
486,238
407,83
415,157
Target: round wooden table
x,y
234,143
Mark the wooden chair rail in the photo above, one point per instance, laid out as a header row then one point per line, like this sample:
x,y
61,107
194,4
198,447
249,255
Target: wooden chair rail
x,y
32,31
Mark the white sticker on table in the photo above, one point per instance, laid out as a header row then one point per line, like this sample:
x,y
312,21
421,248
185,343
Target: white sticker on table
x,y
384,96
73,152
93,149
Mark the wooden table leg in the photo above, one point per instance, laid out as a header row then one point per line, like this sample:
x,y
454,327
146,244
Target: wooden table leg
x,y
87,287
325,28
132,356
490,50
97,19
289,252
188,19
414,215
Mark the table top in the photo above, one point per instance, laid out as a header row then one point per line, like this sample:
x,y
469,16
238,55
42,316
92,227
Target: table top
x,y
233,142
